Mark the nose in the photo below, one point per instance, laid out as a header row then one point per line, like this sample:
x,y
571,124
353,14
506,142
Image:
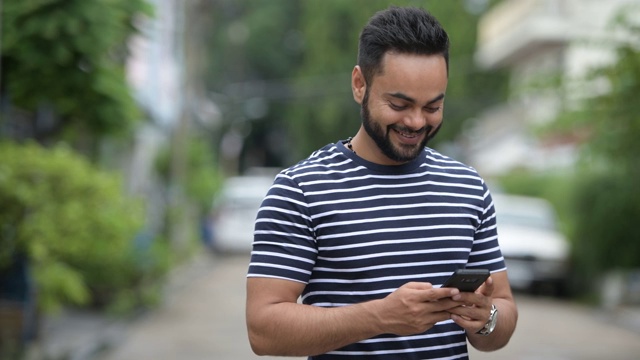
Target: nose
x,y
415,120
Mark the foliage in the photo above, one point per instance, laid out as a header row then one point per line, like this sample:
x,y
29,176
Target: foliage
x,y
69,55
606,200
298,56
254,48
202,179
607,208
73,223
333,51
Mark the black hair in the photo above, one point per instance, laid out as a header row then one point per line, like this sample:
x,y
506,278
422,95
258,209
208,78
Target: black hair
x,y
401,29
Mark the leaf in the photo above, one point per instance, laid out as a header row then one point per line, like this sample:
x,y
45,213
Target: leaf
x,y
56,281
55,52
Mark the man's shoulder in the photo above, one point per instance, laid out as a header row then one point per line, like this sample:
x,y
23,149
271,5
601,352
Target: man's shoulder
x,y
329,156
434,158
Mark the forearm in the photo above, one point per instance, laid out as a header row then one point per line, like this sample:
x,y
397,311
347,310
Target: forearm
x,y
292,329
507,319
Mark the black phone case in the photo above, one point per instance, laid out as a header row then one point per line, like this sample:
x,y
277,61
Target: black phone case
x,y
467,280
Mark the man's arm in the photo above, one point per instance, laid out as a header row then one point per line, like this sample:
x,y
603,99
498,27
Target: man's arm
x,y
495,291
278,325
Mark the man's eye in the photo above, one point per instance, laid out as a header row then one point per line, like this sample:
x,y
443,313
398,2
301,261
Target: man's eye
x,y
397,107
432,110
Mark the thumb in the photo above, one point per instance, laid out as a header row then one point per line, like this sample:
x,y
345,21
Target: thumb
x,y
487,288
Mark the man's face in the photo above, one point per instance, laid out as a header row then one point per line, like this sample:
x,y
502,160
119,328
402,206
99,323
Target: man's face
x,y
402,110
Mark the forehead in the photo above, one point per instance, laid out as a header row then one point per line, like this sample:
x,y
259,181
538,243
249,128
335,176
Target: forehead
x,y
415,75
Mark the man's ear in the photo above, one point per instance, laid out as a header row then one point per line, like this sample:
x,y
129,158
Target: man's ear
x,y
358,84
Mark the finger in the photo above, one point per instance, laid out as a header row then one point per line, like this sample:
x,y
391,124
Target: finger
x,y
445,305
487,288
469,299
418,285
437,294
426,292
474,315
466,322
469,313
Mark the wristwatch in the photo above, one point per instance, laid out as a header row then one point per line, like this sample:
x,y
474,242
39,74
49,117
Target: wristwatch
x,y
491,323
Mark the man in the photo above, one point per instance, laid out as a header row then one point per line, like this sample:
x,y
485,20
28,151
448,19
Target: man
x,y
365,231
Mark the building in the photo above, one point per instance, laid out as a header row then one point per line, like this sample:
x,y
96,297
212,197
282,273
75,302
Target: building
x,y
548,46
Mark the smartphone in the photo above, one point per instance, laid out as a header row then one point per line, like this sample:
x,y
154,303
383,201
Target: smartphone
x,y
467,280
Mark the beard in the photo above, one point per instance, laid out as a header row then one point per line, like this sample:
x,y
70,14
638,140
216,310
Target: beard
x,y
400,153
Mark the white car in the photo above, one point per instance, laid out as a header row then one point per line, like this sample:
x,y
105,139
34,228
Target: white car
x,y
536,253
234,212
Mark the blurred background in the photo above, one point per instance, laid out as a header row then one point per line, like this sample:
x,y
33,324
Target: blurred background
x,y
131,132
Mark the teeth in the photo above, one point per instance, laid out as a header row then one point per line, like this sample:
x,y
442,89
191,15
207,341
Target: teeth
x,y
409,135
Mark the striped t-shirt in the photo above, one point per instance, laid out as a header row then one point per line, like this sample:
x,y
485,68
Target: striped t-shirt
x,y
355,231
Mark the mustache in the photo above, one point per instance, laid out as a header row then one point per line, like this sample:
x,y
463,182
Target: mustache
x,y
405,130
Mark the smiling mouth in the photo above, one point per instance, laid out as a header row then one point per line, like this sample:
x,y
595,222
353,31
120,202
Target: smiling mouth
x,y
410,133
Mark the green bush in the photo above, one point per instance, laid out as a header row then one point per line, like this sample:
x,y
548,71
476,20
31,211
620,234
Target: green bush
x,y
202,179
607,209
598,211
73,223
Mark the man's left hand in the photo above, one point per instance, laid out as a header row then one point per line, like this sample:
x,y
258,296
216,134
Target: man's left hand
x,y
474,309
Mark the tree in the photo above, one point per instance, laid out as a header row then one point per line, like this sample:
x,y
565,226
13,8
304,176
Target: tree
x,y
607,202
254,48
76,229
330,54
67,56
295,58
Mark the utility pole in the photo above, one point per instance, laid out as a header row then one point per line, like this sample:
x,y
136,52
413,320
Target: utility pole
x,y
189,34
1,14
178,203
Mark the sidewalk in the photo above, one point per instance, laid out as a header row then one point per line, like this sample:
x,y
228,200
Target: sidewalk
x,y
203,318
84,335
76,335
204,305
627,317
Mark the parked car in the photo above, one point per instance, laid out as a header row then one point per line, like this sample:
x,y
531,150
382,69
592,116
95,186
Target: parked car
x,y
234,212
536,253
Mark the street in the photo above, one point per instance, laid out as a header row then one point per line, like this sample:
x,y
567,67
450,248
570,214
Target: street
x,y
203,318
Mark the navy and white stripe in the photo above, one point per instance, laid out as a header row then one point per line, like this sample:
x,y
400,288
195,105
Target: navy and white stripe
x,y
354,231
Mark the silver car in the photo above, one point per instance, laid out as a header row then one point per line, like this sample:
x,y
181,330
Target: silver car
x,y
536,253
234,212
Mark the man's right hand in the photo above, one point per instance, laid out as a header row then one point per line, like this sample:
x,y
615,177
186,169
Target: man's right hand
x,y
414,308
280,326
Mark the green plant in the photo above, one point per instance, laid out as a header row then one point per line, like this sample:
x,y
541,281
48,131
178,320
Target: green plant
x,y
607,203
607,208
69,55
73,223
202,178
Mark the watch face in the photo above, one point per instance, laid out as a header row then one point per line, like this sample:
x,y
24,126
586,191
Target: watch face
x,y
491,324
493,318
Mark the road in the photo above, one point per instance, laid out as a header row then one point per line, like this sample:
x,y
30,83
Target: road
x,y
203,318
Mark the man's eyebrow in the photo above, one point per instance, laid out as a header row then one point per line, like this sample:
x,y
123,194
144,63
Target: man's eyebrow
x,y
404,97
436,99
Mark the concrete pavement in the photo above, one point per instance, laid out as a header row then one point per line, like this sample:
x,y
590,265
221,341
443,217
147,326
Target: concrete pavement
x,y
202,317
555,330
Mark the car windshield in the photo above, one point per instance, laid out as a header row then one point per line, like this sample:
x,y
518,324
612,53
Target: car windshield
x,y
241,202
525,212
529,220
241,193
